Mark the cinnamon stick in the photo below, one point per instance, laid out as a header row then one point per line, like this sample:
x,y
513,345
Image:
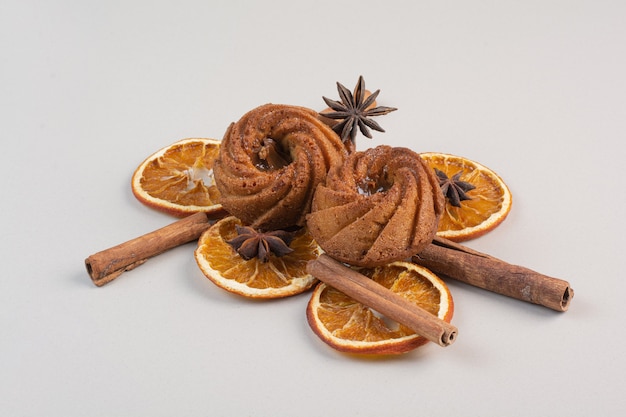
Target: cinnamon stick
x,y
459,262
381,299
105,266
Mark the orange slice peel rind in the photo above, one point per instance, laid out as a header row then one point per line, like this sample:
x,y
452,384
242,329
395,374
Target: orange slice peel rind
x,y
277,278
488,205
178,179
350,327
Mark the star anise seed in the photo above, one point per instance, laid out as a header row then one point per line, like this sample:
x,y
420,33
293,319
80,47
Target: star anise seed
x,y
353,111
453,188
250,243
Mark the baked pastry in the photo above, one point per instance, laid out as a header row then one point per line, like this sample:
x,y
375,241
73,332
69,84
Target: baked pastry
x,y
270,163
380,206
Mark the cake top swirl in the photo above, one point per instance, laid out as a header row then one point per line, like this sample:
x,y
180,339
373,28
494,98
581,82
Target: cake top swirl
x,y
380,206
270,162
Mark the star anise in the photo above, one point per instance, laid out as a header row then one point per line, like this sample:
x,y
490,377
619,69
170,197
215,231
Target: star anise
x,y
250,243
353,111
453,188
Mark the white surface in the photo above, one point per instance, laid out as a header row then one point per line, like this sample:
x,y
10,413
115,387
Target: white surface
x,y
535,90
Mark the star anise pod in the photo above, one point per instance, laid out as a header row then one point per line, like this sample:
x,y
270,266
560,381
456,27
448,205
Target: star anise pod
x,y
353,111
250,243
453,188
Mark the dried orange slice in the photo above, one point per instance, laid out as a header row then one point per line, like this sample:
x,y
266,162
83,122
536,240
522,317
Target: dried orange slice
x,y
278,277
349,326
486,206
178,179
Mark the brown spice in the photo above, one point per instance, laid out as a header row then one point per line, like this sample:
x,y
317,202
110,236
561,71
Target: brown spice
x,y
250,243
106,265
381,299
459,262
355,111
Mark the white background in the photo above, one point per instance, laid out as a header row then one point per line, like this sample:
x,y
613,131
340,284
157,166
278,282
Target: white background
x,y
535,90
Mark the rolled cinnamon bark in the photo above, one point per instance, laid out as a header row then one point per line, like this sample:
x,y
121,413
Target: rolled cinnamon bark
x,y
459,262
383,300
106,265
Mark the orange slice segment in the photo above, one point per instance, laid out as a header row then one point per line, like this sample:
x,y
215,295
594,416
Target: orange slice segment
x,y
279,277
349,326
488,205
178,179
